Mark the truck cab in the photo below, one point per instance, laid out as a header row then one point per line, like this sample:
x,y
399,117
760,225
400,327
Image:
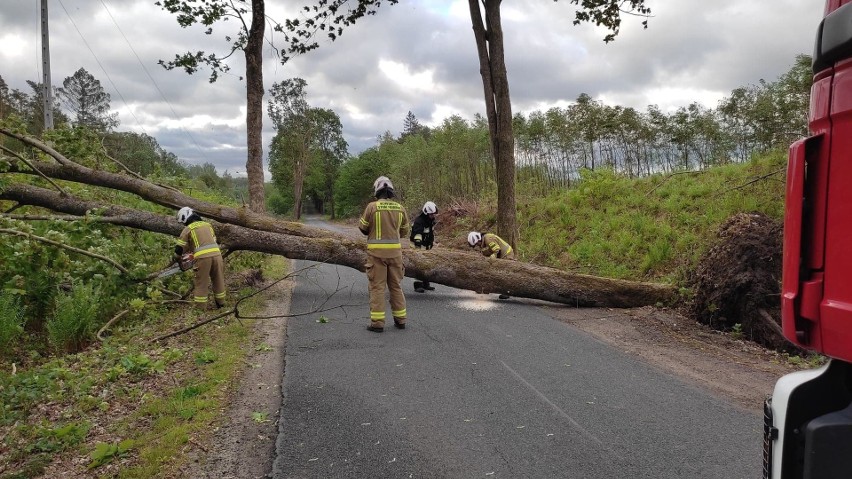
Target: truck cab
x,y
808,419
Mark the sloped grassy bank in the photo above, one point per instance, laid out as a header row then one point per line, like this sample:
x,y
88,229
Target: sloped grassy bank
x,y
671,228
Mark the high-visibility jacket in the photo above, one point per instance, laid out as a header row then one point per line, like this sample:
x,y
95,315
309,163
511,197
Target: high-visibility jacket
x,y
496,247
199,239
384,222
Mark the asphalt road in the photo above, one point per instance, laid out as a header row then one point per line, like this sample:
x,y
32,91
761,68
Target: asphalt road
x,y
477,387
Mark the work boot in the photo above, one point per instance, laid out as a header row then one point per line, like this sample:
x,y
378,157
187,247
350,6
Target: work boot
x,y
428,286
418,286
399,323
375,328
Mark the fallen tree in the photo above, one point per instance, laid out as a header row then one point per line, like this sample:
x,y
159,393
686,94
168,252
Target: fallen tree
x,y
241,229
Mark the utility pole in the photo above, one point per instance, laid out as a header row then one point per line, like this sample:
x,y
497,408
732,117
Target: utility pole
x,y
47,95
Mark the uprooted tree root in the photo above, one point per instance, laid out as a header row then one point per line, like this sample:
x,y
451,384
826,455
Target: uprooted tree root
x,y
737,283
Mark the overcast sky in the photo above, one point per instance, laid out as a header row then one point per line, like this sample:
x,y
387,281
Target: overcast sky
x,y
418,56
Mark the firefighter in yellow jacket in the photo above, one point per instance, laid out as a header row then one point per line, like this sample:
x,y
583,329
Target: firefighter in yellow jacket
x,y
384,222
199,239
492,246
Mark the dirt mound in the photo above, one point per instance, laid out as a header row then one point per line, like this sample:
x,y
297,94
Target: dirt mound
x,y
737,283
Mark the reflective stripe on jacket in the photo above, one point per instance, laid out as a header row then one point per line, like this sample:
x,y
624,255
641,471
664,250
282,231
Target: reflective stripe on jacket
x,y
495,246
199,239
384,222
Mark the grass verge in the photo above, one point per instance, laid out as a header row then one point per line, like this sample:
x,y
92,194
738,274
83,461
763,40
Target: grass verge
x,y
126,407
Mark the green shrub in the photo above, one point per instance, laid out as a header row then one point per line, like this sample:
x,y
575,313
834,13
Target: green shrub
x,y
279,203
75,318
11,320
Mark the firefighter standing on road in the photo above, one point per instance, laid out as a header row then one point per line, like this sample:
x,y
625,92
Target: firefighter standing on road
x,y
423,236
384,221
199,239
492,246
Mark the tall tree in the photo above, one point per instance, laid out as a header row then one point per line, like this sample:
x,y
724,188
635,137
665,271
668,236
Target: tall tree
x,y
83,95
5,99
330,151
411,126
488,32
252,24
31,108
292,147
792,96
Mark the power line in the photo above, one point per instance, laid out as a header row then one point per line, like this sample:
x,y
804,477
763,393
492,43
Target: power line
x,y
102,67
154,82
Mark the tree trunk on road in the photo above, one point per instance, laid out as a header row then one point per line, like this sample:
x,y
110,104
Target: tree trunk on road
x,y
240,229
456,268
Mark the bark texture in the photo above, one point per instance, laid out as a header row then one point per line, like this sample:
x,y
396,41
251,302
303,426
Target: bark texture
x,y
254,106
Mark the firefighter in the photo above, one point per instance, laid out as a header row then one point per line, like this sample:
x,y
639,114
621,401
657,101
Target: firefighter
x,y
199,239
492,246
423,236
384,221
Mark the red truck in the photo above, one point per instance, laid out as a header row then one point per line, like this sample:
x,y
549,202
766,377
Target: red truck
x,y
808,419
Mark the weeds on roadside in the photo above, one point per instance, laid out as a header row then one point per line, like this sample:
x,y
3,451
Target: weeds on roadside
x,y
75,318
737,331
809,361
11,321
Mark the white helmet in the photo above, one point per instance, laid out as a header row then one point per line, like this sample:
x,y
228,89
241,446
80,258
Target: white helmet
x,y
430,208
381,183
184,213
474,237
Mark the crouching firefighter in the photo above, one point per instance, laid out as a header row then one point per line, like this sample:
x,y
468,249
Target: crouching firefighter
x,y
423,236
199,239
492,246
384,221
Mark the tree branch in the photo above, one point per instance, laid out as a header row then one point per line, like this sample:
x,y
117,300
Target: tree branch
x,y
28,140
110,323
755,180
27,162
192,326
129,171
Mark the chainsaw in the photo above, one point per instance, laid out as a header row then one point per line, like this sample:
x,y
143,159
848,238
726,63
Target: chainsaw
x,y
184,263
